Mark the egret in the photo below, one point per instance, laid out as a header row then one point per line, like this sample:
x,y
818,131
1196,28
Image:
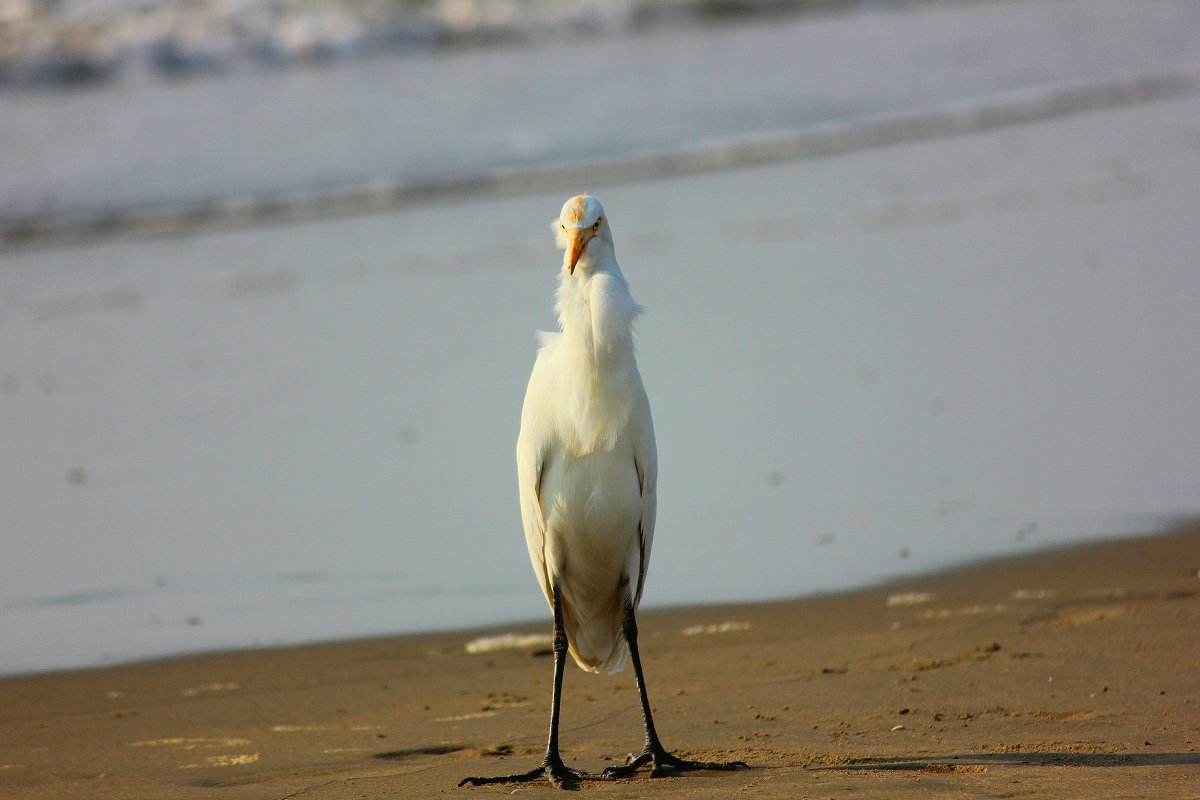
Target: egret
x,y
587,470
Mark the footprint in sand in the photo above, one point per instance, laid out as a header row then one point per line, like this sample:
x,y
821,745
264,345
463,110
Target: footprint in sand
x,y
193,743
205,743
205,688
296,728
236,760
462,717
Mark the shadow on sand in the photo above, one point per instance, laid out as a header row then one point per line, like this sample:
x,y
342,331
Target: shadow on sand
x,y
965,761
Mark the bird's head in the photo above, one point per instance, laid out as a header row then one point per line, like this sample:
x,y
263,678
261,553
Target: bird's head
x,y
582,231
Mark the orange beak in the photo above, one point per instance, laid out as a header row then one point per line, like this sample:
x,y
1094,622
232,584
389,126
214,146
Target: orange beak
x,y
579,237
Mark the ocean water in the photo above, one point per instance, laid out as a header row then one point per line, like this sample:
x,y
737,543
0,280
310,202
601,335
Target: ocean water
x,y
292,135
861,366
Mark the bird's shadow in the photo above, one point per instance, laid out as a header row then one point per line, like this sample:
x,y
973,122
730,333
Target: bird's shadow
x,y
965,761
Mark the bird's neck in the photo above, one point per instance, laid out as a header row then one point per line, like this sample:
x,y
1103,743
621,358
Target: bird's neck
x,y
596,312
598,381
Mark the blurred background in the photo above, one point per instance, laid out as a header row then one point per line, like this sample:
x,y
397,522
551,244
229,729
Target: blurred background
x,y
920,279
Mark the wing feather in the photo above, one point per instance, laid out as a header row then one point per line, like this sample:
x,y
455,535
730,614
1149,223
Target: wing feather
x,y
529,477
532,449
645,459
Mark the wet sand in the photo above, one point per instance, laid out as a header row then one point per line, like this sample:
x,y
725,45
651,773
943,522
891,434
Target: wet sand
x,y
1067,673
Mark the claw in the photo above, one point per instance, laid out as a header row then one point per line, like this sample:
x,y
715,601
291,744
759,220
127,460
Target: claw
x,y
559,774
663,763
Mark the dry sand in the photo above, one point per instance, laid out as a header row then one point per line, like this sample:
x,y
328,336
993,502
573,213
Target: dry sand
x,y
1072,673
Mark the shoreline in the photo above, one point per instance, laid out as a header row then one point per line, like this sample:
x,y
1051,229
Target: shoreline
x,y
1069,670
534,625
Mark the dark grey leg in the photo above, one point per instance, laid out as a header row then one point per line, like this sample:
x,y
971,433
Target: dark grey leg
x,y
552,766
662,762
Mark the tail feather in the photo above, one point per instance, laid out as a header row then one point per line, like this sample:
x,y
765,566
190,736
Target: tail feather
x,y
597,643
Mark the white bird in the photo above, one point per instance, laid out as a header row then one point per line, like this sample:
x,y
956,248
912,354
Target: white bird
x,y
587,469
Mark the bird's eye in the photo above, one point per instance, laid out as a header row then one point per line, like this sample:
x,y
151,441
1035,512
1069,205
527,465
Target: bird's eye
x,y
596,227
561,225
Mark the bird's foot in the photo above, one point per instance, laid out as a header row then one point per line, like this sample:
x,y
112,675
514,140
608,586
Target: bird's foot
x,y
663,763
552,768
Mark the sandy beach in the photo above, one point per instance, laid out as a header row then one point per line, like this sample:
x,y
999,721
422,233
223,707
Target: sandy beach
x,y
1068,673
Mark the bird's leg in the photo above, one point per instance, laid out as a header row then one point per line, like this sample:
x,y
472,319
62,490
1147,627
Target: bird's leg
x,y
552,766
661,762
